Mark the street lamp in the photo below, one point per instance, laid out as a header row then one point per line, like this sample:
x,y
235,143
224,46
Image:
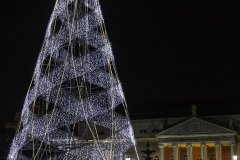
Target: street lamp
x,y
235,157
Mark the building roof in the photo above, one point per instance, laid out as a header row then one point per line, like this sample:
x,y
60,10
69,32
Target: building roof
x,y
195,127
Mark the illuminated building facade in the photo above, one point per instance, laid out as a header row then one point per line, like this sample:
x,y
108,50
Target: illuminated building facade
x,y
194,138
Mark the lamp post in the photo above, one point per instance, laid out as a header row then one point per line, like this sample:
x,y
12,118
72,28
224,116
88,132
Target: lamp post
x,y
148,152
235,157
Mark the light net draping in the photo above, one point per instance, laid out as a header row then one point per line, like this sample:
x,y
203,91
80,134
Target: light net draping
x,y
75,107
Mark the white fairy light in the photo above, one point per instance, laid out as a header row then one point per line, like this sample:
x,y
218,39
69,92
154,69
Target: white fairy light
x,y
97,109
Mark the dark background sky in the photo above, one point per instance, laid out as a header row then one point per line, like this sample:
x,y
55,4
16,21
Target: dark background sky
x,y
169,54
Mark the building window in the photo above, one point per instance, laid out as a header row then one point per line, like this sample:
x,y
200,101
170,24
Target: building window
x,y
155,130
226,149
143,131
226,152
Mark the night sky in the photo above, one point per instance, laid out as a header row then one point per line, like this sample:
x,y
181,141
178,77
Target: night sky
x,y
169,54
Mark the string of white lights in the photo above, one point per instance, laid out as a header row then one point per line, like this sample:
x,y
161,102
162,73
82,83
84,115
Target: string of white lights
x,y
75,93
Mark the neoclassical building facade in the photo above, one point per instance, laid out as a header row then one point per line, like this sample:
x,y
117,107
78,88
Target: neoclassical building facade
x,y
188,138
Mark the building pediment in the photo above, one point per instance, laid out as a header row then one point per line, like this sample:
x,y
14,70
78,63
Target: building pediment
x,y
195,126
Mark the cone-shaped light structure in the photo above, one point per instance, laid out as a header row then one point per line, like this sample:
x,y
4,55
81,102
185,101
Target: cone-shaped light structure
x,y
75,107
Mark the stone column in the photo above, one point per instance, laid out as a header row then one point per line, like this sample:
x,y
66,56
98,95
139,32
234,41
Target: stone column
x,y
161,146
204,151
175,151
189,151
233,150
218,148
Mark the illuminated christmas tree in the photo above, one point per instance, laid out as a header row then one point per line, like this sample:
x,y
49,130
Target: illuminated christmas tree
x,y
75,107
